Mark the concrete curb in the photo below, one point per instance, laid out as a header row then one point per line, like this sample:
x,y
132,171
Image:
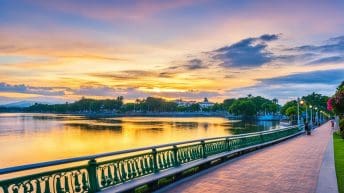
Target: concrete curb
x,y
327,180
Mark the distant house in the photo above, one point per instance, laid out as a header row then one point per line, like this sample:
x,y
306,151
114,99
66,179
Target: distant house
x,y
206,104
181,103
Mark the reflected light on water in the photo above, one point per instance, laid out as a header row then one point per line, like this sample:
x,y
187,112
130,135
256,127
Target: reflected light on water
x,y
30,138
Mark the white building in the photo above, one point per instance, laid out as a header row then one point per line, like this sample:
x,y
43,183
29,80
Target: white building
x,y
181,103
206,104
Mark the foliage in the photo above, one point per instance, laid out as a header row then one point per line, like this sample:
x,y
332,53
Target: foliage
x,y
287,105
227,103
152,104
338,145
314,99
243,107
338,102
246,106
251,106
291,111
83,105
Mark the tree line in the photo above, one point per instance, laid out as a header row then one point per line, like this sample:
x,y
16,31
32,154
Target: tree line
x,y
313,101
246,106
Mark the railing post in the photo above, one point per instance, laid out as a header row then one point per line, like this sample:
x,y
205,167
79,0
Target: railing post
x,y
203,149
227,144
4,188
92,176
175,154
261,138
155,160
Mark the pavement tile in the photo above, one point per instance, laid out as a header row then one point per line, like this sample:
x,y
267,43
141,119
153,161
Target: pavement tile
x,y
289,167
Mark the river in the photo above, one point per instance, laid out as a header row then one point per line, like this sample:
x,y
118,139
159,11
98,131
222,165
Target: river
x,y
30,138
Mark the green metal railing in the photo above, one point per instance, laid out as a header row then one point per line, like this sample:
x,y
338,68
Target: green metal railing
x,y
123,166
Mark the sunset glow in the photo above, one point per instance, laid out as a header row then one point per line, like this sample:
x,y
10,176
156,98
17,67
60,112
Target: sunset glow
x,y
58,51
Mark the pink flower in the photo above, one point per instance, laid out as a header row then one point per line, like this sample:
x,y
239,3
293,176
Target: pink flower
x,y
329,104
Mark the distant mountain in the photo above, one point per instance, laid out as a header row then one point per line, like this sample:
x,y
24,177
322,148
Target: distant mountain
x,y
20,104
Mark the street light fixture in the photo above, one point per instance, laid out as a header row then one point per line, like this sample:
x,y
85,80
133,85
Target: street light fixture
x,y
316,115
298,111
310,106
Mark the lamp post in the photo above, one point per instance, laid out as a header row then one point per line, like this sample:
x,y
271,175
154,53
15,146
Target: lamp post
x,y
316,115
298,111
301,103
320,119
306,113
311,120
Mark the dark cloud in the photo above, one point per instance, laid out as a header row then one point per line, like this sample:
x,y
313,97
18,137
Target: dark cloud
x,y
326,60
282,92
333,45
195,64
134,93
167,74
291,86
187,95
126,75
247,53
21,88
269,37
302,57
333,76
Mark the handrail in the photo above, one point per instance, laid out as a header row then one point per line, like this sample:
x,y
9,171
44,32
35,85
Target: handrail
x,y
102,155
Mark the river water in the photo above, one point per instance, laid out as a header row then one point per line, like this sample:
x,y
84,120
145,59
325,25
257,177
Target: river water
x,y
30,138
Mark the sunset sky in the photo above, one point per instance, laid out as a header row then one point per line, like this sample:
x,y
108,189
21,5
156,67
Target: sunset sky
x,y
57,51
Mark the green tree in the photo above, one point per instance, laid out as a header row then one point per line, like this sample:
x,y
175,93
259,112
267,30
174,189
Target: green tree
x,y
243,107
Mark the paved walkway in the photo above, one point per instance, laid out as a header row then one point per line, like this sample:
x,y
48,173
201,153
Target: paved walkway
x,y
290,166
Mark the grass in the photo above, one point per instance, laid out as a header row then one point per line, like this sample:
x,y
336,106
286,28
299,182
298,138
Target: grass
x,y
338,144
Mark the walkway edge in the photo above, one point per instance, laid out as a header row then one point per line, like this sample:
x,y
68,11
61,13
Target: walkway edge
x,y
224,157
327,180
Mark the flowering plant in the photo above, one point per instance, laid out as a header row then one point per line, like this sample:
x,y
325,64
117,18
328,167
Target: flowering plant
x,y
329,104
337,102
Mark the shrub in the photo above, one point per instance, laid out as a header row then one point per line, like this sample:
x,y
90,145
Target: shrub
x,y
337,100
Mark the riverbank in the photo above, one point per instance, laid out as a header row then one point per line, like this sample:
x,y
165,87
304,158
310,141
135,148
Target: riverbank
x,y
107,114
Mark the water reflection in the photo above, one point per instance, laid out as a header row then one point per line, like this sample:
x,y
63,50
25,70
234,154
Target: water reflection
x,y
29,138
249,126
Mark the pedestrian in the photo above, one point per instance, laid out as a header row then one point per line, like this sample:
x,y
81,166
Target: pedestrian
x,y
332,124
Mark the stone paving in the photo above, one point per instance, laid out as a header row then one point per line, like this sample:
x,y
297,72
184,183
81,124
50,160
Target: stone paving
x,y
290,166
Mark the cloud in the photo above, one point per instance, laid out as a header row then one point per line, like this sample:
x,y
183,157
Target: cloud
x,y
282,92
134,93
195,64
327,60
291,86
21,88
333,76
191,94
126,74
247,53
332,45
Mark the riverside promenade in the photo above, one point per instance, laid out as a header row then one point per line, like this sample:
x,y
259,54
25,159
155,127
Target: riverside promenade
x,y
295,165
